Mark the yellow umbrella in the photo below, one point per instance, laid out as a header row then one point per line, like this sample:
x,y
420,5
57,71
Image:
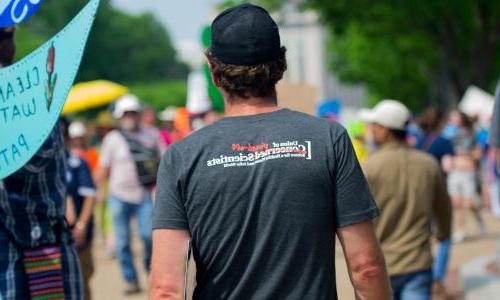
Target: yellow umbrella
x,y
87,95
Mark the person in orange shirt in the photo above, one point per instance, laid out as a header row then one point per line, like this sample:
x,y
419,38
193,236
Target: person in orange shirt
x,y
182,125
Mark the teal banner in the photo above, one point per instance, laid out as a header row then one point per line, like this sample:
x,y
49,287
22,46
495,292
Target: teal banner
x,y
33,91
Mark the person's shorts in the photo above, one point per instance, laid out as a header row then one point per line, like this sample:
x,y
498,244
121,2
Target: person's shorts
x,y
462,184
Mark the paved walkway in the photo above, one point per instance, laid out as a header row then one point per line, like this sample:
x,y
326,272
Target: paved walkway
x,y
467,278
477,282
469,260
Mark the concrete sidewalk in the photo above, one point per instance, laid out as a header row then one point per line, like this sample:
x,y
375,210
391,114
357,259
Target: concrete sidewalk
x,y
466,279
477,282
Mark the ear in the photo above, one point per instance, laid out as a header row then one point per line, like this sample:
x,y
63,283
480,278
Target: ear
x,y
215,80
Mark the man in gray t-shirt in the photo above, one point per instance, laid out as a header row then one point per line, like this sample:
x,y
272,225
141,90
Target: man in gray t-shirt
x,y
263,192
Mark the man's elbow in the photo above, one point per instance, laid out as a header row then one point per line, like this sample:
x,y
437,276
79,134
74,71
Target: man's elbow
x,y
370,271
165,289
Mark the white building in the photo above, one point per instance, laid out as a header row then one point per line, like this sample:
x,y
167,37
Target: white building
x,y
306,42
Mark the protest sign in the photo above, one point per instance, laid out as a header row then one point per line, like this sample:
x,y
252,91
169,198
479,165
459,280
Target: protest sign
x,y
33,91
13,12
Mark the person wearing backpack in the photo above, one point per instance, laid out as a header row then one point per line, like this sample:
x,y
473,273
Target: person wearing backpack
x,y
129,160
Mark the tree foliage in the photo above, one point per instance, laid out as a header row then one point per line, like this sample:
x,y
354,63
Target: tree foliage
x,y
161,94
122,47
414,51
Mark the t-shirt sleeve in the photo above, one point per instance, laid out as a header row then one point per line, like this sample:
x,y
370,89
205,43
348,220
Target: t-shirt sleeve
x,y
105,157
86,187
169,211
354,202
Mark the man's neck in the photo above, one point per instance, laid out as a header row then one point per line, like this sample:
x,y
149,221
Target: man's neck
x,y
392,142
250,106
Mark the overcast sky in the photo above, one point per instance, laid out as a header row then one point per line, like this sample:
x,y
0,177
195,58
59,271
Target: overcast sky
x,y
183,18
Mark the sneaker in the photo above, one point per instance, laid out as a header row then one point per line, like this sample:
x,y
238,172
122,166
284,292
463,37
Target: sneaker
x,y
458,237
132,288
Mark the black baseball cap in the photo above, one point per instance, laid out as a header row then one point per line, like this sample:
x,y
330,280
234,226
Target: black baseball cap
x,y
245,35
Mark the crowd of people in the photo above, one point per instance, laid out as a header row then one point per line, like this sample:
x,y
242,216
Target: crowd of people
x,y
462,177
258,195
112,170
87,178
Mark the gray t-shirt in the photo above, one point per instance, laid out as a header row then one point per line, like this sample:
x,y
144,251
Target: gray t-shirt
x,y
262,196
495,121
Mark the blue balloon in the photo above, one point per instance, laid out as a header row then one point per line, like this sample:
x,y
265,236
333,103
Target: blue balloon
x,y
13,12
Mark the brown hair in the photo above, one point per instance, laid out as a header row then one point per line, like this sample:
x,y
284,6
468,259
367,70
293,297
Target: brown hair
x,y
7,47
249,81
431,119
467,121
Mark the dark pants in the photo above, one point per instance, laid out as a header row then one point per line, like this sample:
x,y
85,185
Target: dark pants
x,y
87,266
441,261
412,286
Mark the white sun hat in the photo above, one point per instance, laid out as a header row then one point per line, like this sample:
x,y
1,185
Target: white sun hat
x,y
77,130
168,114
125,104
388,113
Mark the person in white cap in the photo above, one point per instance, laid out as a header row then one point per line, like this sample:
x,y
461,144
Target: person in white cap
x,y
410,191
129,158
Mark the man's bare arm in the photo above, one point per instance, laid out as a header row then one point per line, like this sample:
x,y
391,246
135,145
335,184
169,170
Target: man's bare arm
x,y
101,175
168,270
81,225
365,261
